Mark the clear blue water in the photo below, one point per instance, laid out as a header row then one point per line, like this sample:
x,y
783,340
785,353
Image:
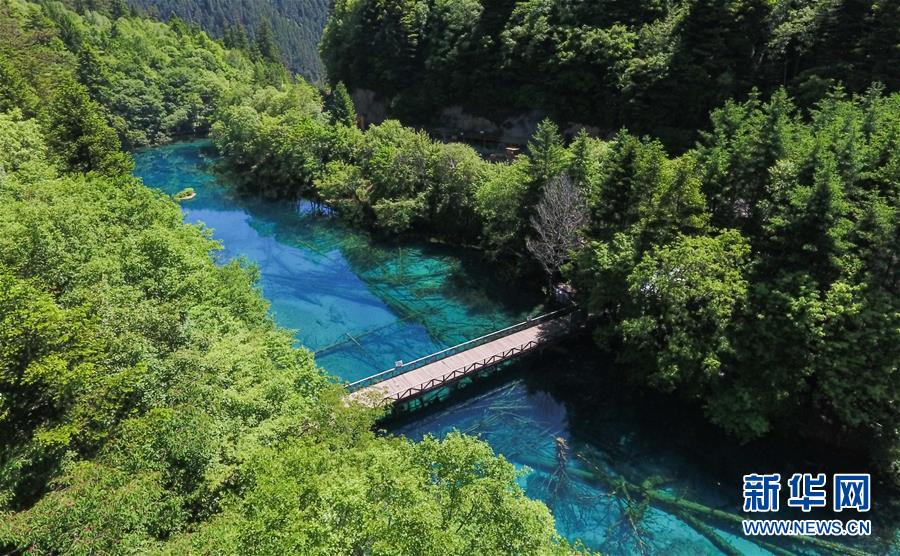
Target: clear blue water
x,y
361,306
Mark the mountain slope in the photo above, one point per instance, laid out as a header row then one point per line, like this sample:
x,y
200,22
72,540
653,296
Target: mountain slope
x,y
653,67
296,24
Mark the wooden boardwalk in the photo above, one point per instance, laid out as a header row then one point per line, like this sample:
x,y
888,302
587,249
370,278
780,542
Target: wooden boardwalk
x,y
410,380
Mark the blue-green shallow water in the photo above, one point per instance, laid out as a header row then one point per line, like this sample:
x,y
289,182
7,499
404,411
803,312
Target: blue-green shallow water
x,y
362,306
611,433
527,426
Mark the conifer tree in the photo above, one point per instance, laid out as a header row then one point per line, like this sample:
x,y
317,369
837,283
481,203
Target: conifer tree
x,y
77,131
265,42
14,91
340,106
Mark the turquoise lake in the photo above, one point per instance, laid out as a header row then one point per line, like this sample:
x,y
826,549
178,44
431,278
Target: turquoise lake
x,y
361,306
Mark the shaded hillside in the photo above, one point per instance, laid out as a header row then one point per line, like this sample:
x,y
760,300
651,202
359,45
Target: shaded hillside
x,y
655,67
296,24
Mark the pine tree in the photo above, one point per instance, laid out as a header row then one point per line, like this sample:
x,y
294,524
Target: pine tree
x,y
91,71
15,92
583,167
118,9
236,37
80,136
547,153
340,106
265,42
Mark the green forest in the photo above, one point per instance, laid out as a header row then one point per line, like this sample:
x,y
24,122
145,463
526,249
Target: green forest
x,y
287,31
756,273
734,238
651,66
295,26
148,404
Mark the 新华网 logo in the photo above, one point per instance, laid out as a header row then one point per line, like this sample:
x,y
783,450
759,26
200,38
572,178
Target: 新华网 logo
x,y
805,492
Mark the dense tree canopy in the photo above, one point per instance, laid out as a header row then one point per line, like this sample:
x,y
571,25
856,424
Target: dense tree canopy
x,y
152,81
293,27
651,66
77,131
748,300
734,274
148,403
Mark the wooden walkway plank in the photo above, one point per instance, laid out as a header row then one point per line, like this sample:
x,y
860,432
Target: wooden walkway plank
x,y
455,366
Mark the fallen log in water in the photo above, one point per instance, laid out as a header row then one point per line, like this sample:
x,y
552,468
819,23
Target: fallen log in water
x,y
710,534
685,509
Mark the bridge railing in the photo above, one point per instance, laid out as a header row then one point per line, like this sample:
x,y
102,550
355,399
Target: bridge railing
x,y
453,350
456,374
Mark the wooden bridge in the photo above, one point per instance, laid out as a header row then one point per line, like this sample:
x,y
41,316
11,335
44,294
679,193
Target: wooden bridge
x,y
406,381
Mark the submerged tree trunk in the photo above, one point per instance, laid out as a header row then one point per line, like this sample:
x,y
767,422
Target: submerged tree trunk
x,y
689,511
